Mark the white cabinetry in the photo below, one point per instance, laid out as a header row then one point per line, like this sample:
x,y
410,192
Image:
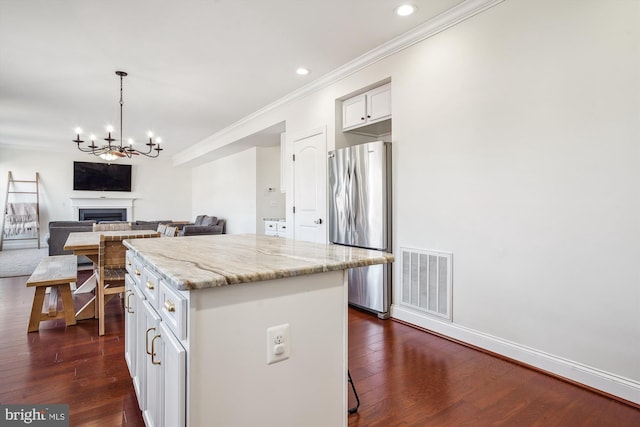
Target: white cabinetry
x,y
152,371
201,354
368,108
276,228
131,330
155,354
173,356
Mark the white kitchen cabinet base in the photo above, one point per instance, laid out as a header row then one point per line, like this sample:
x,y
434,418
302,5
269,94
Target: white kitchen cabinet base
x,y
201,335
229,380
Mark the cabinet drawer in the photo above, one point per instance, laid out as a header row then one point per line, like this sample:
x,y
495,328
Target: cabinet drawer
x,y
150,286
282,227
173,310
270,226
129,262
135,270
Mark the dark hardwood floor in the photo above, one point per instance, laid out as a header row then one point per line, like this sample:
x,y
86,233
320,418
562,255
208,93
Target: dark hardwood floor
x,y
404,376
65,365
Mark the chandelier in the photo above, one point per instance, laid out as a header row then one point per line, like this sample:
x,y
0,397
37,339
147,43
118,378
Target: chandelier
x,y
111,151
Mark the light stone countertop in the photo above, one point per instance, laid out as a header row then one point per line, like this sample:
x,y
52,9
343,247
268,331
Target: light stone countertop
x,y
199,262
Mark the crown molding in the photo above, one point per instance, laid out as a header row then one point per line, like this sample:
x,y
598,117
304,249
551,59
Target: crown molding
x,y
433,26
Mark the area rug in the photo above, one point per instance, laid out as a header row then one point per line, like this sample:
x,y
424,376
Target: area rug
x,y
20,262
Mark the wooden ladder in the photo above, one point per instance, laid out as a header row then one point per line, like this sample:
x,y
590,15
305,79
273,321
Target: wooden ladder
x,y
15,194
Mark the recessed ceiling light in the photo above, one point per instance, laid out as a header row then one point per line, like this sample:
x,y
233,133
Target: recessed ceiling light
x,y
302,71
405,10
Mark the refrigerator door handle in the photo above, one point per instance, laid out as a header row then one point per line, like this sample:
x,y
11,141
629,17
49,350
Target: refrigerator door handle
x,y
355,204
347,202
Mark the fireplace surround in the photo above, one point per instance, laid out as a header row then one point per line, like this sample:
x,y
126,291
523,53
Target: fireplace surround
x,y
102,208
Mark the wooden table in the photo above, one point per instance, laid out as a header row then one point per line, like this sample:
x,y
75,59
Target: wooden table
x,y
87,243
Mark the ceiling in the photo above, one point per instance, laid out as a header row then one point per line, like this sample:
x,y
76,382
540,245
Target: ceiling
x,y
195,66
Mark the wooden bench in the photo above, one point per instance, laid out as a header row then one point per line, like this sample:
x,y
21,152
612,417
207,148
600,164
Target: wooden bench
x,y
57,273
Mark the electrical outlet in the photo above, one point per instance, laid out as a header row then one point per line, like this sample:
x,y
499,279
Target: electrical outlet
x,y
278,343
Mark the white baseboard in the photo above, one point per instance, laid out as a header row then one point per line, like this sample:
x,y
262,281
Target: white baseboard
x,y
615,385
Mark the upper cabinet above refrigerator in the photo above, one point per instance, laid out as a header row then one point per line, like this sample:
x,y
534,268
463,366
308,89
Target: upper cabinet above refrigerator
x,y
372,107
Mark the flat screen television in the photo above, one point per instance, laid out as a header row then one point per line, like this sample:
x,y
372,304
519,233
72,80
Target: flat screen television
x,y
101,176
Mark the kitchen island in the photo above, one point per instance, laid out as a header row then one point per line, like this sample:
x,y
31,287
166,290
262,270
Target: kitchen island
x,y
239,330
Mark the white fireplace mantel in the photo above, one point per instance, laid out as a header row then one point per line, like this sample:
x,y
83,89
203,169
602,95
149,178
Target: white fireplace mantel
x,y
78,203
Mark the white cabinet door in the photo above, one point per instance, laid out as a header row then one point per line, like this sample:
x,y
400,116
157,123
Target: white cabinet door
x,y
379,103
370,107
140,351
174,372
152,369
354,111
130,326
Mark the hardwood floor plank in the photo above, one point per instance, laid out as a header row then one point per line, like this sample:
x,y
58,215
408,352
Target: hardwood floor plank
x,y
407,377
404,376
59,364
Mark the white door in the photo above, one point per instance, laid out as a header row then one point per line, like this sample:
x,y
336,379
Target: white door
x,y
140,357
152,371
130,326
173,360
309,183
354,111
379,103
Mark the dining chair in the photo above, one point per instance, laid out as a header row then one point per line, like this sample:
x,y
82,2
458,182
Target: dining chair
x,y
111,271
112,226
171,231
161,228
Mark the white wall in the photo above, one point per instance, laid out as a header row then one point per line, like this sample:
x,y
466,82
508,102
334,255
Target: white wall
x,y
161,191
226,188
269,204
515,146
314,308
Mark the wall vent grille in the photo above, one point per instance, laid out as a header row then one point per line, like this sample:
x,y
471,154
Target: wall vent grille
x,y
426,279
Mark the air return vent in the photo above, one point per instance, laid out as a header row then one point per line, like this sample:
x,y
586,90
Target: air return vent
x,y
426,281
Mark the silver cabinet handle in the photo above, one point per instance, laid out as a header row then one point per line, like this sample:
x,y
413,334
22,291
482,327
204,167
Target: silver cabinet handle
x,y
153,350
127,305
146,340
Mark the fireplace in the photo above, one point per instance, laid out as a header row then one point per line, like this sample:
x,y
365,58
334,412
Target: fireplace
x,y
102,208
103,214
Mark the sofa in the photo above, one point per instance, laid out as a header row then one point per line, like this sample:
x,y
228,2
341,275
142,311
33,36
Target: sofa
x,y
203,225
59,232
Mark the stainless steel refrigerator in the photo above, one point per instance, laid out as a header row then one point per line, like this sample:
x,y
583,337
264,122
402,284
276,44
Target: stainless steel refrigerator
x,y
360,215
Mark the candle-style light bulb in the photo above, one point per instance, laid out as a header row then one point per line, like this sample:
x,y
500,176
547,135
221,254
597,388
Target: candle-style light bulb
x,y
78,131
130,141
109,128
92,137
